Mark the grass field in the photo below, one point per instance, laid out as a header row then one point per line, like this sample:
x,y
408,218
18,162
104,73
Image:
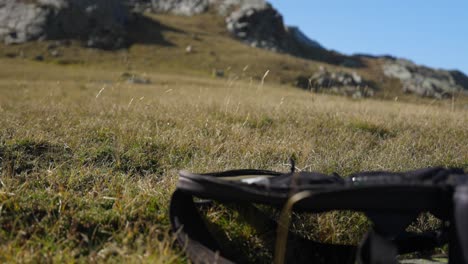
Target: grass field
x,y
89,161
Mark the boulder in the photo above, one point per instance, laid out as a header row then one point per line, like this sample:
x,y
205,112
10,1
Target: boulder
x,y
261,27
339,82
132,78
22,21
425,81
98,23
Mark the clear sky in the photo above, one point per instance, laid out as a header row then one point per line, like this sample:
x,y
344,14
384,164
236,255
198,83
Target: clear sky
x,y
428,32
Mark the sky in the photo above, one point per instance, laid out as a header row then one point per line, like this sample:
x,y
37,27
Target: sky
x,y
431,32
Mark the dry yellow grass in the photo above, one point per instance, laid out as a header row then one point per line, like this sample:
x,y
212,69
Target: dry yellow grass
x,y
89,161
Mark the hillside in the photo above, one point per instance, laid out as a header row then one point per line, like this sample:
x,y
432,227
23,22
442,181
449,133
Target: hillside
x,y
160,43
213,36
91,140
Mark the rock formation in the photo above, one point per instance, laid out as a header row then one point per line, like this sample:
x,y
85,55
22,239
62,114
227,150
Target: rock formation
x,y
259,26
180,7
98,23
338,82
425,81
254,22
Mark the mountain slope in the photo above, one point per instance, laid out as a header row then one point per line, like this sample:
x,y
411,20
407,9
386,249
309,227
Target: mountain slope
x,y
211,34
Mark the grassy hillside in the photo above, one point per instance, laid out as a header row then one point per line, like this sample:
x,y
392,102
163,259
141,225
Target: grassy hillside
x,y
88,160
161,41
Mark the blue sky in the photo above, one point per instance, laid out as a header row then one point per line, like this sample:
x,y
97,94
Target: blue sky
x,y
430,32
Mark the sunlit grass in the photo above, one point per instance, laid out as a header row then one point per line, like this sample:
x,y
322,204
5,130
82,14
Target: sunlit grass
x,y
86,175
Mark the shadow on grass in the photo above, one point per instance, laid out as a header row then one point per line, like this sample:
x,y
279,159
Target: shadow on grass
x,y
255,244
26,155
144,30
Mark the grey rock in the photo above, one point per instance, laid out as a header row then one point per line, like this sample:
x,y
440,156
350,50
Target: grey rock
x,y
135,79
226,7
39,58
54,53
336,82
99,23
21,21
219,73
259,26
180,7
425,81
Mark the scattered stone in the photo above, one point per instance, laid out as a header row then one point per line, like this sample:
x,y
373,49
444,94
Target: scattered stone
x,y
135,79
52,46
425,81
189,49
195,36
54,53
336,82
39,58
219,73
11,55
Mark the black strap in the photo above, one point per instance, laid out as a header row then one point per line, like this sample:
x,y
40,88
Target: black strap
x,y
378,247
199,245
299,249
192,233
459,246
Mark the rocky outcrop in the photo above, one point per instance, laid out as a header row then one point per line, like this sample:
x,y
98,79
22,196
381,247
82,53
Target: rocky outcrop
x,y
425,81
259,26
254,22
98,23
226,7
339,82
21,22
192,7
180,7
102,23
